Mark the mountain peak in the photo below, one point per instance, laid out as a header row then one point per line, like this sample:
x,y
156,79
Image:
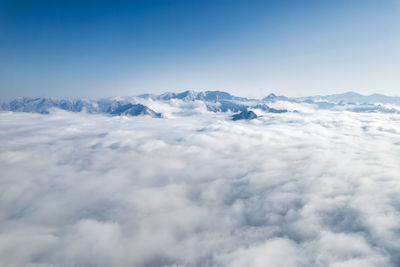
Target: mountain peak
x,y
244,115
272,98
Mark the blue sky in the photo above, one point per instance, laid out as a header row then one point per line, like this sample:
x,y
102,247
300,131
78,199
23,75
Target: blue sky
x,y
105,48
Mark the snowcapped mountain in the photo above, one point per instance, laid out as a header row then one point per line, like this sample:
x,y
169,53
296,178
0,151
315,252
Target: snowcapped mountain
x,y
213,101
108,106
273,98
42,105
354,98
208,96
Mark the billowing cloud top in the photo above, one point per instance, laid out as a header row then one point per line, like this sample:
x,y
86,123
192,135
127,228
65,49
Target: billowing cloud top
x,y
315,187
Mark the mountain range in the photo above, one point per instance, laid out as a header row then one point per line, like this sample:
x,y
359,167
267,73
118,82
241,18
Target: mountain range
x,y
215,101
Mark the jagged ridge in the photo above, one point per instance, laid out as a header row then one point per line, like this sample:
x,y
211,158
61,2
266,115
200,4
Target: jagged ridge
x,y
215,101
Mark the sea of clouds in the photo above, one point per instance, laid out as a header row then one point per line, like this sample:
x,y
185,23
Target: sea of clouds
x,y
307,188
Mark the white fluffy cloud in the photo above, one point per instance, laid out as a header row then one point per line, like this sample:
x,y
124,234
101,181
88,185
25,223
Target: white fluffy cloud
x,y
318,188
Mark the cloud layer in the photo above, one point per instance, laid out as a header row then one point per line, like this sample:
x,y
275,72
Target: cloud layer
x,y
315,188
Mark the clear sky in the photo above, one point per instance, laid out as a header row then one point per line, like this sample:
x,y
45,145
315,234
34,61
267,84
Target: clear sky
x,y
106,48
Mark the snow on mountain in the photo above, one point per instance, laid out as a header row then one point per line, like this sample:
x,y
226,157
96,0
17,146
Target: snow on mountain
x,y
273,98
108,106
354,98
212,101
